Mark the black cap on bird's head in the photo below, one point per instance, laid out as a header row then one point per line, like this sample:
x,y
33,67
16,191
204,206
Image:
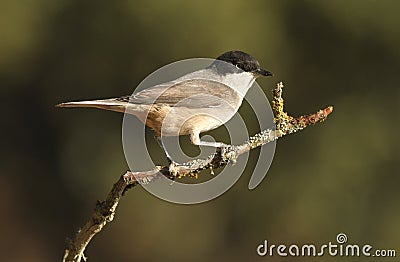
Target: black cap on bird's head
x,y
244,62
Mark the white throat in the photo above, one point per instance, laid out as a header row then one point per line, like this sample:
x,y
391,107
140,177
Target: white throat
x,y
240,82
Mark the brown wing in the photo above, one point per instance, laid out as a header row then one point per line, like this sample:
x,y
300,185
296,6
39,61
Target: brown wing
x,y
193,93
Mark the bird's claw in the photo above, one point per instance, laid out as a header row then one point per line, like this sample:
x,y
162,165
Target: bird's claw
x,y
172,167
227,154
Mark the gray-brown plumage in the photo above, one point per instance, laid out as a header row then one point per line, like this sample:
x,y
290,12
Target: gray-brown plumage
x,y
192,104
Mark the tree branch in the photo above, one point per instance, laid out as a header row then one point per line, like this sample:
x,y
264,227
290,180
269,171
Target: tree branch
x,y
105,210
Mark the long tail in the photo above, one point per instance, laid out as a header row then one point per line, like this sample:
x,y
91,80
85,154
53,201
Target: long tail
x,y
106,104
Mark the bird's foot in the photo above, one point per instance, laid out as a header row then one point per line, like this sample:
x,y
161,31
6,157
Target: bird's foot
x,y
172,167
227,154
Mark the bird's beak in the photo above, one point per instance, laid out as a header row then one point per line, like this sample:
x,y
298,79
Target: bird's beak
x,y
263,72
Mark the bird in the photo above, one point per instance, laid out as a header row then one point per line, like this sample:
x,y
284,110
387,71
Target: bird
x,y
194,103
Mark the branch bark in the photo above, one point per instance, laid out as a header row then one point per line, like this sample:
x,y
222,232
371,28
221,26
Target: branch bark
x,y
104,211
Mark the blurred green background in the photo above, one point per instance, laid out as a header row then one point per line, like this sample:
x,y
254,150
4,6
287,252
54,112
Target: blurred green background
x,y
339,176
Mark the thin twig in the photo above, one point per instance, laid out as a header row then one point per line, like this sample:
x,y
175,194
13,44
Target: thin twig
x,y
105,210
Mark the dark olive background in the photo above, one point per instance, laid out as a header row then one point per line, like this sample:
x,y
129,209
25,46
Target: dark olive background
x,y
339,176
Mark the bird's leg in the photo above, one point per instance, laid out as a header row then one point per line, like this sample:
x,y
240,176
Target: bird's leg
x,y
195,139
171,163
211,144
160,143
